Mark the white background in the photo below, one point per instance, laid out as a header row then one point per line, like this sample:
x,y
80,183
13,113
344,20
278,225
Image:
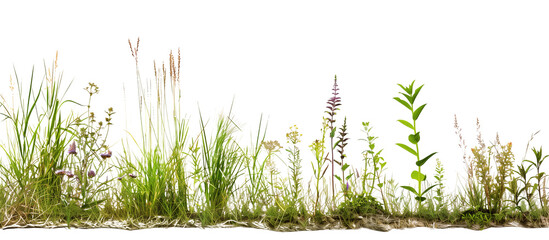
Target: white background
x,y
485,59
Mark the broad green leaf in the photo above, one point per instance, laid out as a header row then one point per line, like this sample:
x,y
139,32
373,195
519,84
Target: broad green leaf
x,y
314,169
407,124
409,98
403,103
409,149
416,113
416,93
418,176
429,188
345,166
338,178
336,143
332,133
406,89
411,87
349,177
411,189
380,185
414,138
422,161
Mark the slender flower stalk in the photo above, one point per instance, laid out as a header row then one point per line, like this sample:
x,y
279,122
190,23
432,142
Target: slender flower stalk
x,y
333,105
342,142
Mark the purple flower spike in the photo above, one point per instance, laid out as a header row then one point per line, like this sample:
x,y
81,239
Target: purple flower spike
x,y
91,174
60,172
132,175
106,155
69,174
72,148
347,187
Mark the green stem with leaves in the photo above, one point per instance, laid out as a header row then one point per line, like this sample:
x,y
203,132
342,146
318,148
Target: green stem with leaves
x,y
410,95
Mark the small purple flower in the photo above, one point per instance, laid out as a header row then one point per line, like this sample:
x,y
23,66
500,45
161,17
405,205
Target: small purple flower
x,y
69,174
91,174
132,175
72,148
60,172
120,178
347,187
106,155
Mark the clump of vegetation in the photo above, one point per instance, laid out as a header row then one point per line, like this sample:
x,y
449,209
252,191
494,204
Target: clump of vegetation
x,y
61,169
154,182
86,165
478,218
494,188
360,204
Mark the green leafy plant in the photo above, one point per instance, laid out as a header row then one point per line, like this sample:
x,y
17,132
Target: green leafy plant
x,y
410,95
439,176
294,181
273,147
319,150
374,165
341,143
86,163
494,188
539,175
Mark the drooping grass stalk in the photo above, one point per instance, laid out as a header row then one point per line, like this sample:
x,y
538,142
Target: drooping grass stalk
x,y
410,95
